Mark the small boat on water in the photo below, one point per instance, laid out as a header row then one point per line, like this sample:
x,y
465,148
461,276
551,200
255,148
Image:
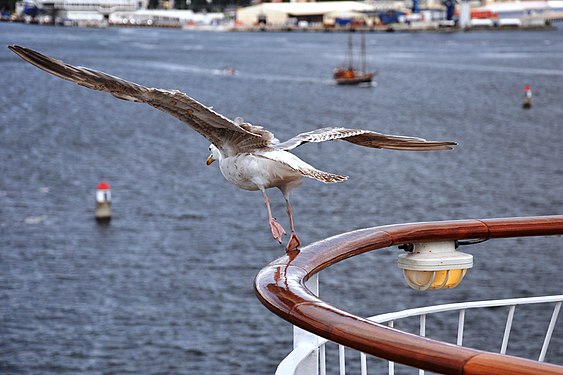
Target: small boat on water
x,y
229,71
348,74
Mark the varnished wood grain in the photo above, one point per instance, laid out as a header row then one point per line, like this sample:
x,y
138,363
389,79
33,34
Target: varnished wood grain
x,y
490,363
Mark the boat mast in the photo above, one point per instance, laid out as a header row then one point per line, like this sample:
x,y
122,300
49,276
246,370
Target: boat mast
x,y
363,53
350,52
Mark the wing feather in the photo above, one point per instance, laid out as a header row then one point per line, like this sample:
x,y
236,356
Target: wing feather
x,y
365,138
219,130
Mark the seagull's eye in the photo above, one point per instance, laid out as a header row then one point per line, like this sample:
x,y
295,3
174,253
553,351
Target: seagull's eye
x,y
209,148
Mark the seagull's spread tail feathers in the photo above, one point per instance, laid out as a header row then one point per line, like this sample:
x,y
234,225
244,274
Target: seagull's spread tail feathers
x,y
325,177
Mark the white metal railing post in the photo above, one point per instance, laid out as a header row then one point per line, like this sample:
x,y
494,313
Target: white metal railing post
x,y
550,328
391,370
322,359
342,359
460,325
363,364
309,365
423,334
507,329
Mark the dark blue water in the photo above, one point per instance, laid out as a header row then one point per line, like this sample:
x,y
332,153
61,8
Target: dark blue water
x,y
166,288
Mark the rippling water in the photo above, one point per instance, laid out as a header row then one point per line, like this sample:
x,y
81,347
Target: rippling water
x,y
167,286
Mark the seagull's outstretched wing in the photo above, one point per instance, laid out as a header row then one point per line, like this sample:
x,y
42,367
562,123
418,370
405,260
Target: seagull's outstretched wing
x,y
365,138
219,130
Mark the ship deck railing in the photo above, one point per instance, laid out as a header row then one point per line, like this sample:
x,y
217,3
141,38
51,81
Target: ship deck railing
x,y
289,288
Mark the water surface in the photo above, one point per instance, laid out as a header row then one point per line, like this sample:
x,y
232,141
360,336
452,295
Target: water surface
x,y
167,286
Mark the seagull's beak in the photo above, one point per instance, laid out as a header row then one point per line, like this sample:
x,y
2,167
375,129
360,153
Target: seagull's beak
x,y
210,159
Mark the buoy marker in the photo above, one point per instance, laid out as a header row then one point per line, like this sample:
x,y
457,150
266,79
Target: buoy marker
x,y
527,103
103,202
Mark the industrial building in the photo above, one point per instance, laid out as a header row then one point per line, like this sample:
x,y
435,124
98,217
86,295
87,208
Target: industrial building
x,y
325,12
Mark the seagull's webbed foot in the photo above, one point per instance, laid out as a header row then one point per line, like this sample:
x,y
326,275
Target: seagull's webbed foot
x,y
293,243
275,227
277,230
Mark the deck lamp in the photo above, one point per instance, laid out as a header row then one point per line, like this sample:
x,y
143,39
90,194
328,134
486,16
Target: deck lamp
x,y
434,265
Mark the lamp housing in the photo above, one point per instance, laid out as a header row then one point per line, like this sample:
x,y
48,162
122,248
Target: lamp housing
x,y
434,265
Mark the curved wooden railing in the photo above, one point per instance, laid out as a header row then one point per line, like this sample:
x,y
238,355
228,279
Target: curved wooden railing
x,y
280,286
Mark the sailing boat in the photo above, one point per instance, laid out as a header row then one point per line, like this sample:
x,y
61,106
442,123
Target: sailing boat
x,y
348,74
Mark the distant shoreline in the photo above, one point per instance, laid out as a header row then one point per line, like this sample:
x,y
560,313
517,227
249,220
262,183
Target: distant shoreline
x,y
401,28
391,28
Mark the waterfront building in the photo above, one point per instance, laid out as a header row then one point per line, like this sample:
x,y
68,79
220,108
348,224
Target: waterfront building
x,y
281,14
62,11
115,12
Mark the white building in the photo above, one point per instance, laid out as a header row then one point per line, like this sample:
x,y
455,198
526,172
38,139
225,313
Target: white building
x,y
523,8
287,13
83,10
172,17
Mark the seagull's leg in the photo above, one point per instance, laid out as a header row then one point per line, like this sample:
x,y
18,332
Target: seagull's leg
x,y
293,242
275,227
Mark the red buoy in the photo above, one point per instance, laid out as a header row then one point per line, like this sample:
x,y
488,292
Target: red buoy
x,y
527,103
103,202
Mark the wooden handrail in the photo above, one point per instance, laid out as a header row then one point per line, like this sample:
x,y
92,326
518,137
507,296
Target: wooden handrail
x,y
280,286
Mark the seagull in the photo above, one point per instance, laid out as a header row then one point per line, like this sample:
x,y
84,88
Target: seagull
x,y
249,156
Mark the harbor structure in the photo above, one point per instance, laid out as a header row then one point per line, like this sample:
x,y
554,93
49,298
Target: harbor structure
x,y
305,14
109,12
61,11
384,15
165,18
398,15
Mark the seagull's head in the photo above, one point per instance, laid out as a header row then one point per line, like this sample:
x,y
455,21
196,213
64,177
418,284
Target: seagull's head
x,y
215,154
